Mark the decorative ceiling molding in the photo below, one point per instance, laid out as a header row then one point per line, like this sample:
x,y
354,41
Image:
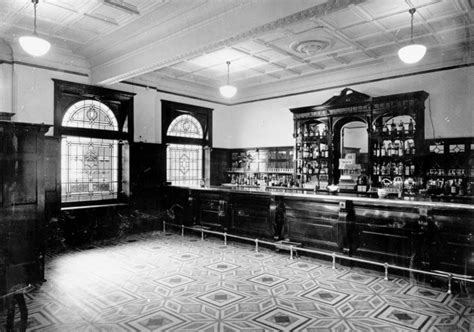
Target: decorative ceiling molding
x,y
310,47
315,11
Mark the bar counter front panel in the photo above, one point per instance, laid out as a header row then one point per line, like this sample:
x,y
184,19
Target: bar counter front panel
x,y
418,234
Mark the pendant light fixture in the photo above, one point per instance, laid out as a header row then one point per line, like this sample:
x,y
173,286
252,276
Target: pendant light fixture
x,y
228,90
412,53
33,44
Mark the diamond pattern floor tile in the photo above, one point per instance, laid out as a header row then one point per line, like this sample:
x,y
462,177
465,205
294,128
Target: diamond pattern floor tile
x,y
167,282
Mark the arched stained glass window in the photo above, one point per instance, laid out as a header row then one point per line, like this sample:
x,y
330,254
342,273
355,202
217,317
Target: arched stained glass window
x,y
90,114
185,126
184,161
89,166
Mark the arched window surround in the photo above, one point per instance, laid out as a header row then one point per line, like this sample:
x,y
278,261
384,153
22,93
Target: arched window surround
x,y
188,144
98,138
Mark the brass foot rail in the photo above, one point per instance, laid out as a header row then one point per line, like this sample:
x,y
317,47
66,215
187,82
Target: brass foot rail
x,y
449,276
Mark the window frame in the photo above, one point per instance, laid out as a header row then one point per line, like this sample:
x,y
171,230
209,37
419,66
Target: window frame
x,y
66,94
170,110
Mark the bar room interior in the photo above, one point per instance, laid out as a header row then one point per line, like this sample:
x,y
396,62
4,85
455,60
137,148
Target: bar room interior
x,y
237,165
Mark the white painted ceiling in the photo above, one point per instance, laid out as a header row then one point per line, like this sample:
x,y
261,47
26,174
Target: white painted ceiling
x,y
276,47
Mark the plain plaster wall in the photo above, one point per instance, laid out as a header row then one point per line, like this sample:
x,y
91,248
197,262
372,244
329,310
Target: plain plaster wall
x,y
449,108
32,94
259,124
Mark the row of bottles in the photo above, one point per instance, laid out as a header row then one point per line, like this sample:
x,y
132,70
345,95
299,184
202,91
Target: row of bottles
x,y
312,150
394,169
392,128
449,172
312,167
397,148
312,130
457,187
258,179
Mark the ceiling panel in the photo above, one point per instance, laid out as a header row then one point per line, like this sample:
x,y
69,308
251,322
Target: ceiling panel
x,y
248,62
374,40
273,55
289,62
301,26
437,10
274,35
363,29
448,22
187,66
343,18
305,43
250,46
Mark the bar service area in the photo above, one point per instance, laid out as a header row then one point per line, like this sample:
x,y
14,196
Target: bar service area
x,y
360,180
237,165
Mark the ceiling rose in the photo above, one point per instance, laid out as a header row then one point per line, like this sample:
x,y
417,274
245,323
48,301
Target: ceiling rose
x,y
309,47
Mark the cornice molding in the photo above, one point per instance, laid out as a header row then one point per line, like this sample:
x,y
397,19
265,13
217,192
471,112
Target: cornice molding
x,y
306,91
315,11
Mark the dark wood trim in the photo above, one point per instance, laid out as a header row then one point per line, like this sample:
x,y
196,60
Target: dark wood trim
x,y
171,110
68,93
94,133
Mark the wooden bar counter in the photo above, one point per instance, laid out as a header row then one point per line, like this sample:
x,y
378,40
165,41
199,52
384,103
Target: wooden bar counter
x,y
420,234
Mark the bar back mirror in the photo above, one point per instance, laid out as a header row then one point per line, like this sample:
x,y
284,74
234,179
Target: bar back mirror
x,y
354,155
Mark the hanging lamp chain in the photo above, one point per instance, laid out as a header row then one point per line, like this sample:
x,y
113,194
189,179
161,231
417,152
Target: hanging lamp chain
x,y
35,3
412,11
228,65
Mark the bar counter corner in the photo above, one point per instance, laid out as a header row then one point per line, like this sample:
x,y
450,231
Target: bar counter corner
x,y
418,234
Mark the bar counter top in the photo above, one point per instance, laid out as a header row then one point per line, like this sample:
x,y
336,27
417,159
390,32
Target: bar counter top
x,y
463,203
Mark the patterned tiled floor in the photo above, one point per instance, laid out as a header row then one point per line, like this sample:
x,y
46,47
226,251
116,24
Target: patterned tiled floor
x,y
165,282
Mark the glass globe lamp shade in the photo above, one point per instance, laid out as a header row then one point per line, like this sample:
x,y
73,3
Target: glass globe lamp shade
x,y
34,45
412,53
228,91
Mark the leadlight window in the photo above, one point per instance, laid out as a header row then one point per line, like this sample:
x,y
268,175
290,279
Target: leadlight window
x,y
89,169
90,114
184,164
185,126
89,166
184,161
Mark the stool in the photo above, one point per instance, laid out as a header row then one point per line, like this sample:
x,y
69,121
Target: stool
x,y
16,297
20,301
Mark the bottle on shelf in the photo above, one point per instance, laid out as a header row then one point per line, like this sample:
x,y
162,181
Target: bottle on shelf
x,y
390,149
453,187
393,128
325,131
376,150
412,148
400,168
316,151
305,151
407,169
411,127
401,127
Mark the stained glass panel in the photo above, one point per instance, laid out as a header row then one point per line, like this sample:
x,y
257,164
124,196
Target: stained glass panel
x,y
90,114
89,169
185,126
184,164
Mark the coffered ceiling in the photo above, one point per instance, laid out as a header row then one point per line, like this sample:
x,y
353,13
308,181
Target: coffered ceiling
x,y
276,47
